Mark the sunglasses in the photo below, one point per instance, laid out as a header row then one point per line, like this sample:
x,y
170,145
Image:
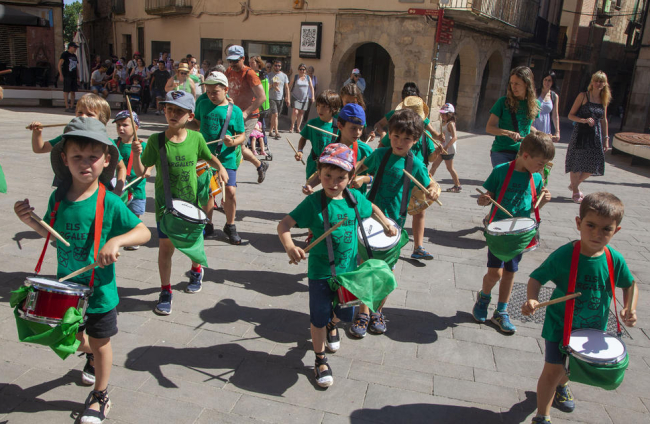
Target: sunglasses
x,y
301,69
234,61
184,73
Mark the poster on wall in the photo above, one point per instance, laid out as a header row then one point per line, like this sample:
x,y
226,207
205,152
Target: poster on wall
x,y
310,39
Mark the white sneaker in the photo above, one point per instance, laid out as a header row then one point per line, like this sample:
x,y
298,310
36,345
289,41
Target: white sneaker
x,y
333,343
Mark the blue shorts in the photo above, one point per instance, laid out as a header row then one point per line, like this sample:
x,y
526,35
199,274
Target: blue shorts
x,y
137,206
161,235
232,177
99,88
512,265
497,158
321,311
553,354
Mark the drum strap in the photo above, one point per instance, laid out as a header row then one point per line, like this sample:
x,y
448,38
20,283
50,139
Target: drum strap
x,y
504,187
408,166
425,150
354,202
98,224
224,129
129,165
570,304
164,170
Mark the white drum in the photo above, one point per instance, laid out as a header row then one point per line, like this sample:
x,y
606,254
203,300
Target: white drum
x,y
511,226
377,239
188,212
596,347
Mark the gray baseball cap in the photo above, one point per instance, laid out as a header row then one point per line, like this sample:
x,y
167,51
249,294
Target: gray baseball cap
x,y
181,99
216,78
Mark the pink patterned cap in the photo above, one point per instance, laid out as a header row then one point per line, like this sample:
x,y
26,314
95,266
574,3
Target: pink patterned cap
x,y
338,154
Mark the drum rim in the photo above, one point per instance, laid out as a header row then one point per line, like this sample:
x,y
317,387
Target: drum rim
x,y
514,232
591,360
382,249
186,218
79,289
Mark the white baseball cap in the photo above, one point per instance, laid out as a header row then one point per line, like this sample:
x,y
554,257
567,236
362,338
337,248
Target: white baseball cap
x,y
214,78
448,107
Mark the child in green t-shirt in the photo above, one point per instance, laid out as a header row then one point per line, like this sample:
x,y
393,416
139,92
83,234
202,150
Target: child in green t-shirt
x,y
600,218
335,168
536,151
137,196
184,148
405,128
211,117
328,103
85,158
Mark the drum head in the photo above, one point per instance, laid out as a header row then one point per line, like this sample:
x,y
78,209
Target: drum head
x,y
375,233
54,285
596,346
188,210
511,226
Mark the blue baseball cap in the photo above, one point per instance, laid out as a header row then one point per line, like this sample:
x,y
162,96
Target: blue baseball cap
x,y
181,99
124,114
235,52
354,113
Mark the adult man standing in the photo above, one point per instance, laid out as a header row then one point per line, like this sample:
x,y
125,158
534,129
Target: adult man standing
x,y
247,93
356,78
68,74
278,90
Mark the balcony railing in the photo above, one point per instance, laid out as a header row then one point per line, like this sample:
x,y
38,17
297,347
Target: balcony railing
x,y
516,14
167,7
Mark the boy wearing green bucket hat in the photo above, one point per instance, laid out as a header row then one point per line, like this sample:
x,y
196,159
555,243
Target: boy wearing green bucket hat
x,y
97,224
512,182
600,218
331,204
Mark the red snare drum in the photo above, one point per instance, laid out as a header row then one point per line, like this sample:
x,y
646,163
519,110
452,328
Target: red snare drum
x,y
50,300
534,243
347,299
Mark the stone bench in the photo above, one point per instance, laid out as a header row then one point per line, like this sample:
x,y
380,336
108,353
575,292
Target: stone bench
x,y
635,144
47,95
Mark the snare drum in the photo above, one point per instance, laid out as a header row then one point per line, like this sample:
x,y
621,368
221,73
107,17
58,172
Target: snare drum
x,y
383,247
347,299
188,212
201,167
509,237
418,202
50,300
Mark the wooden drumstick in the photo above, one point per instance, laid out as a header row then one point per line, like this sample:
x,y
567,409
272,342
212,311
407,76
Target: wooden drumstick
x,y
29,127
381,222
322,130
368,140
538,202
6,71
135,131
436,142
419,185
558,300
294,149
82,270
504,210
214,141
131,183
325,234
49,229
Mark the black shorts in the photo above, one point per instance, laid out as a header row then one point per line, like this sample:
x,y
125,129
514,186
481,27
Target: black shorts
x,y
448,157
100,326
70,84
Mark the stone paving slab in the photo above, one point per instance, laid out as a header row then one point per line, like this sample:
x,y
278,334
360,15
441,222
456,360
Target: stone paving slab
x,y
239,351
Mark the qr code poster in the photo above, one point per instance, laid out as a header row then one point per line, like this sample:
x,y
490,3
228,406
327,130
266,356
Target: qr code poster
x,y
310,39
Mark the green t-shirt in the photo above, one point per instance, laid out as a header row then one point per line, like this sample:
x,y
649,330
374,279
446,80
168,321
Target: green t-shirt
x,y
138,189
518,199
417,147
182,158
309,214
364,151
58,139
74,221
505,143
212,119
318,141
592,308
389,194
392,112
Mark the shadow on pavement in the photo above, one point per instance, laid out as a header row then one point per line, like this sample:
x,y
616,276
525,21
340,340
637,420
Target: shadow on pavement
x,y
266,282
266,215
454,238
28,235
31,394
265,243
10,281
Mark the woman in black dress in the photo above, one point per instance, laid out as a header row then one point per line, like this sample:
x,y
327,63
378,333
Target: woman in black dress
x,y
589,140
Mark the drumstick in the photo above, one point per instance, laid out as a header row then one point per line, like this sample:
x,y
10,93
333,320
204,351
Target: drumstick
x,y
294,149
369,138
6,71
29,127
419,185
214,141
496,204
131,183
48,228
558,300
325,234
321,130
82,270
135,131
436,142
538,201
381,222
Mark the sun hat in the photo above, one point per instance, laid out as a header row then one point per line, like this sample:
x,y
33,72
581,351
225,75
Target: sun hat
x,y
183,67
354,113
181,99
235,52
124,114
448,107
91,129
416,104
338,154
214,78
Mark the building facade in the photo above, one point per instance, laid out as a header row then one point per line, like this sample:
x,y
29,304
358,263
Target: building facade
x,y
637,111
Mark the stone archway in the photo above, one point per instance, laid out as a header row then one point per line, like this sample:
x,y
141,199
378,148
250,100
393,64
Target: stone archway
x,y
491,82
466,89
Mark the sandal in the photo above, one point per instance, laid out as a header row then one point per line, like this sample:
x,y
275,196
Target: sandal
x,y
323,378
454,189
90,416
332,343
577,197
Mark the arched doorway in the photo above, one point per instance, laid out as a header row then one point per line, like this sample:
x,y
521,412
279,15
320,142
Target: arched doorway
x,y
454,81
378,70
462,88
490,89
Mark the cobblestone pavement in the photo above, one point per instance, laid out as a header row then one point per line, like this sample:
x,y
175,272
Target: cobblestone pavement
x,y
239,351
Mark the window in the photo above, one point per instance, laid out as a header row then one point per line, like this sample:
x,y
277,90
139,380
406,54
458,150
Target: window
x,y
157,47
211,50
127,50
269,51
13,51
118,7
141,48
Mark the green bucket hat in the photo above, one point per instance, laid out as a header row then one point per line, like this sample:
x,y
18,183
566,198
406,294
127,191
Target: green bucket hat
x,y
91,129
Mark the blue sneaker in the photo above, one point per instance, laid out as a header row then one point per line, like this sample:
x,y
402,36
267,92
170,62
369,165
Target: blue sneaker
x,y
563,399
194,286
502,320
480,310
359,326
377,323
164,306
